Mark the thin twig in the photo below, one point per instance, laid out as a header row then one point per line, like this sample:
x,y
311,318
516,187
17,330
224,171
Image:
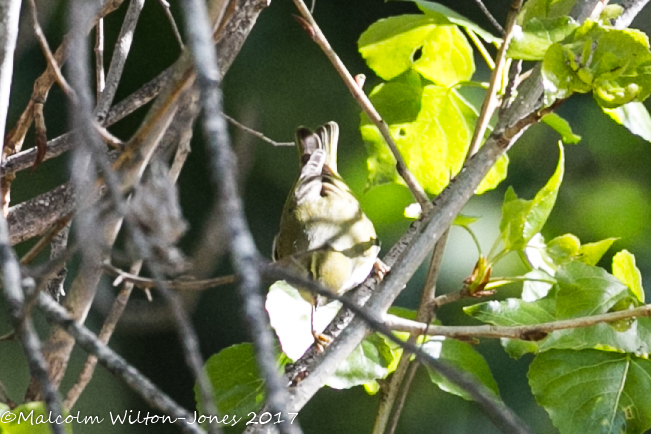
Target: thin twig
x,y
631,9
42,87
117,365
255,133
182,285
491,99
120,53
100,78
104,336
490,16
401,383
366,105
170,18
525,332
58,248
52,63
222,159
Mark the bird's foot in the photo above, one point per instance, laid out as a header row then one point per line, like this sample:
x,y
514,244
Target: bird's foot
x,y
381,269
321,341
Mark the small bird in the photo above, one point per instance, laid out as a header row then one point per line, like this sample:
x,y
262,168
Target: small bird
x,y
324,234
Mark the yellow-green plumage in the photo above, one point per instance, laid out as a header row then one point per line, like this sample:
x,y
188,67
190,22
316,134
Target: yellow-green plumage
x,y
324,234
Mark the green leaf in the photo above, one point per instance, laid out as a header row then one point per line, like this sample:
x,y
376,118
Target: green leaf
x,y
531,41
610,13
29,418
464,220
614,64
542,9
429,44
516,348
586,290
433,145
625,270
237,385
593,391
289,315
635,117
367,363
433,8
522,219
495,176
591,253
634,338
564,248
513,312
462,356
562,127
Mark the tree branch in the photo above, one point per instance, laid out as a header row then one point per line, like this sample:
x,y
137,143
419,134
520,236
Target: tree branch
x,y
526,332
116,364
11,276
222,158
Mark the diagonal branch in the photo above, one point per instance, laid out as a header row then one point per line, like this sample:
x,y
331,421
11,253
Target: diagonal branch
x,y
116,364
222,159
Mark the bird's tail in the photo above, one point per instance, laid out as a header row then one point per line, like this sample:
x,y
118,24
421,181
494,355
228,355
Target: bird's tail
x,y
325,138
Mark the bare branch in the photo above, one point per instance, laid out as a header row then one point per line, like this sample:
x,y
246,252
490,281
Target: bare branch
x,y
491,99
179,284
116,364
256,133
243,249
528,332
52,63
35,216
490,16
120,53
100,79
631,9
170,18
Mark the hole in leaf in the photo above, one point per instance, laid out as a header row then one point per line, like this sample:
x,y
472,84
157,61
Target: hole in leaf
x,y
402,132
417,54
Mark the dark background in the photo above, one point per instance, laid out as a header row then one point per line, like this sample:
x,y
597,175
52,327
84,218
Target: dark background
x,y
279,81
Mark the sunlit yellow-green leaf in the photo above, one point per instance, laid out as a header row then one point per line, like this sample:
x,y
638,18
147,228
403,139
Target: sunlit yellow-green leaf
x,y
562,127
429,44
432,134
522,219
624,269
531,41
431,8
